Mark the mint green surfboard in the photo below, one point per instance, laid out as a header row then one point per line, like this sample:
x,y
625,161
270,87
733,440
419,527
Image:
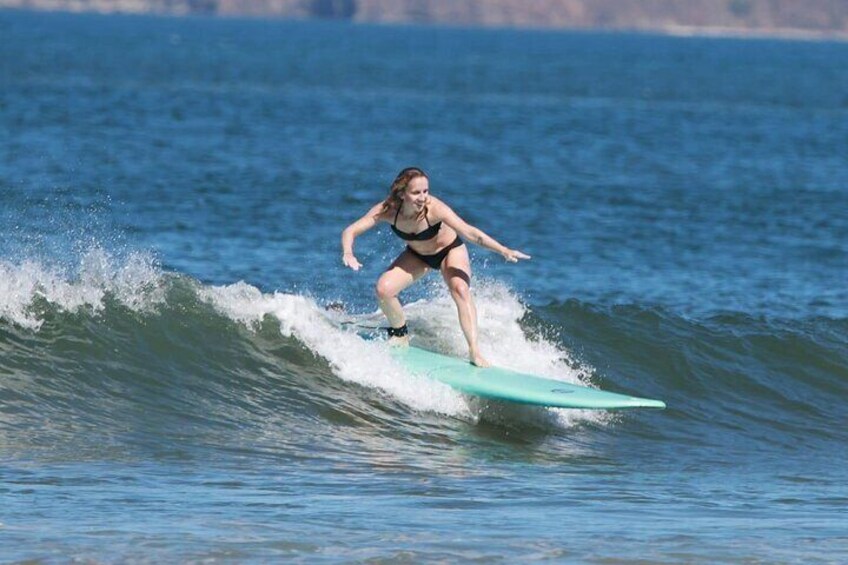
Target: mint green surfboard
x,y
503,384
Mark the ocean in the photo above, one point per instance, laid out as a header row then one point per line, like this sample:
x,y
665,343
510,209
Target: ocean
x,y
177,383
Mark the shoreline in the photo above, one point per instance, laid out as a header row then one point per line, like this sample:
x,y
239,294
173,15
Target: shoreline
x,y
669,30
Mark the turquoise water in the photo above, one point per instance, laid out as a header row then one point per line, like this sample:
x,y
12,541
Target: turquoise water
x,y
173,388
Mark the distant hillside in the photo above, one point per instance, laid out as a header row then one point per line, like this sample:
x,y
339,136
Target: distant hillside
x,y
739,17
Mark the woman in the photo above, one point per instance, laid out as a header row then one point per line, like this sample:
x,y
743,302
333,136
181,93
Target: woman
x,y
432,232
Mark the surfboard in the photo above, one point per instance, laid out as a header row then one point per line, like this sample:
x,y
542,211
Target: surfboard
x,y
503,384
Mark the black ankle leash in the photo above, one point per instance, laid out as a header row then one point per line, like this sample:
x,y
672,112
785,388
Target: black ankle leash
x,y
397,332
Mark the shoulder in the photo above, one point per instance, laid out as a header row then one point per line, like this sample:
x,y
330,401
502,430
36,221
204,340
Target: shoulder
x,y
379,212
439,210
437,207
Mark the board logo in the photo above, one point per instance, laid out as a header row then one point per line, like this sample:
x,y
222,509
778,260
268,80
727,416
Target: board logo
x,y
562,390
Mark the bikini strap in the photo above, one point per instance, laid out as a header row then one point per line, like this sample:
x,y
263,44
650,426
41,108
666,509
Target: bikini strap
x,y
396,215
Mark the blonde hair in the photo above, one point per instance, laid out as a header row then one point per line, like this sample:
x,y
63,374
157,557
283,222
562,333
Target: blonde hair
x,y
402,180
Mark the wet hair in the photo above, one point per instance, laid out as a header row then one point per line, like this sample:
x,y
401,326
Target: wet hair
x,y
402,180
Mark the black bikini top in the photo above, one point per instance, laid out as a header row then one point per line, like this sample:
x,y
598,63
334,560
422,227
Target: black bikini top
x,y
429,233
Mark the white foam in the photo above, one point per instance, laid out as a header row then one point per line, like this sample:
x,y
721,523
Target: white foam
x,y
502,340
135,282
434,323
353,359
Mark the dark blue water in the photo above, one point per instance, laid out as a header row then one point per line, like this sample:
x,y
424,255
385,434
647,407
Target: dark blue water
x,y
172,387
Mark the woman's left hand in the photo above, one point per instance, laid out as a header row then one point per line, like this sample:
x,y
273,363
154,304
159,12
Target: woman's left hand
x,y
512,255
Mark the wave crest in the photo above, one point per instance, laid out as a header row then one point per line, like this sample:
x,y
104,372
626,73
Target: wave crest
x,y
136,282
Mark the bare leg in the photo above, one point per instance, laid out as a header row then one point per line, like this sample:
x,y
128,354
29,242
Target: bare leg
x,y
456,270
404,271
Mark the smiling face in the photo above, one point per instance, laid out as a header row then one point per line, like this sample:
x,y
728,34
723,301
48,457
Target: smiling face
x,y
409,192
416,194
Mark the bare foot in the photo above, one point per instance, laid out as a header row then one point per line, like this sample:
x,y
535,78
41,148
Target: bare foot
x,y
402,341
480,361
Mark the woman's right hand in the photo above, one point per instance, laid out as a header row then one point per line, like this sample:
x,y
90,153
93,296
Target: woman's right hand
x,y
350,261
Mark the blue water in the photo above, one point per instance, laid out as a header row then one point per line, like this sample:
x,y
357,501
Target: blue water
x,y
173,388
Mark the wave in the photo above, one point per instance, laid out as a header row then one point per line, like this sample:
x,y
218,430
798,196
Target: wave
x,y
134,355
781,379
117,345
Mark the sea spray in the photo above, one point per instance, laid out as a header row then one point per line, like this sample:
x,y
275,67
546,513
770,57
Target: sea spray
x,y
135,282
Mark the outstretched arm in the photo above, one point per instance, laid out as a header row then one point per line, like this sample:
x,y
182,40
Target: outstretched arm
x,y
474,234
354,230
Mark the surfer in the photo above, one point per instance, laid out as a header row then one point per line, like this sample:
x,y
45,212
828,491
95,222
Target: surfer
x,y
433,233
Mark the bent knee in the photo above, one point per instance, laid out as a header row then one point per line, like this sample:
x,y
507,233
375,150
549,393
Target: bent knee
x,y
385,290
459,288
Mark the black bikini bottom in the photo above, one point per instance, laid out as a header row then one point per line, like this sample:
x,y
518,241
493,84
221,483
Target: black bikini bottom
x,y
435,261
